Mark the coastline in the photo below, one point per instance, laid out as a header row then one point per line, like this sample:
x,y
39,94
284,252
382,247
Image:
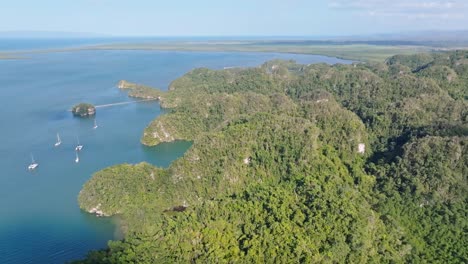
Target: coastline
x,y
92,233
214,108
356,52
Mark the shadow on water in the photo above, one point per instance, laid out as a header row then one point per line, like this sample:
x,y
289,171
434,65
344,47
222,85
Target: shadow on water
x,y
101,226
58,116
165,153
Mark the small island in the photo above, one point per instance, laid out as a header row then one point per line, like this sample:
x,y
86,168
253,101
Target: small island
x,y
84,110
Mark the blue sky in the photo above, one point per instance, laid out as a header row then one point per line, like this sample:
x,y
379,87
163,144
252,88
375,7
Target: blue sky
x,y
236,17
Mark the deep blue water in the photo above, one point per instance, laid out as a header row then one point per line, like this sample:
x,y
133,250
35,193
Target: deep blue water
x,y
40,221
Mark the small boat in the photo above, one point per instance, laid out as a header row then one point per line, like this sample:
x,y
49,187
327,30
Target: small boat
x,y
78,147
95,124
33,164
77,159
58,141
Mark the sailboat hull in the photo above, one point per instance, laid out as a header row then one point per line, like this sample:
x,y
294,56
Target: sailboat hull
x,y
33,166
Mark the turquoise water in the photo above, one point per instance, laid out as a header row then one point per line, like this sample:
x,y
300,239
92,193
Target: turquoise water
x,y
40,221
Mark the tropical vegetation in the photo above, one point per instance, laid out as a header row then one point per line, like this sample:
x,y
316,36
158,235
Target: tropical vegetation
x,y
294,163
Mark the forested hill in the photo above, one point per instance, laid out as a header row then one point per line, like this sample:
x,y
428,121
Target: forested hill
x,y
301,163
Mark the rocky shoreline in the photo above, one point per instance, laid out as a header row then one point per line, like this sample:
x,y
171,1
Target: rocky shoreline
x,y
139,91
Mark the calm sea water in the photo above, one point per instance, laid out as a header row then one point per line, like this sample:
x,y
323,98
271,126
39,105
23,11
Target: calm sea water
x,y
22,44
40,221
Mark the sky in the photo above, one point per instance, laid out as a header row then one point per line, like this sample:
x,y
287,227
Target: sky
x,y
233,17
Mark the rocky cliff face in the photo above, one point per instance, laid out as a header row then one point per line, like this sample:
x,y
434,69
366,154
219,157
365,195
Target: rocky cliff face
x,y
123,84
157,132
84,110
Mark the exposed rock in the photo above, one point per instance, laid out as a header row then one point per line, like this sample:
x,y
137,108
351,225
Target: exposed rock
x,y
97,211
322,100
123,84
159,134
361,148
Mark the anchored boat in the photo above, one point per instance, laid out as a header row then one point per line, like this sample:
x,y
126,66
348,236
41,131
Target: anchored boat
x,y
33,164
58,141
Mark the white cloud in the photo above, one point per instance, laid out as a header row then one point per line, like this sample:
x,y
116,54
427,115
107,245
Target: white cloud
x,y
409,9
393,4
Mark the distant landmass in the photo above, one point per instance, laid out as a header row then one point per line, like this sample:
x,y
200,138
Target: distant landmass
x,y
417,38
437,37
370,48
50,34
430,35
410,36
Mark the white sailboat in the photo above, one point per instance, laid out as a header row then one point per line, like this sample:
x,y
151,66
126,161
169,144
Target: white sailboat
x,y
33,164
77,159
95,124
78,147
59,141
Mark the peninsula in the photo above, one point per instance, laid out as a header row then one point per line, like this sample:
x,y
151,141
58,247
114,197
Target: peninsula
x,y
139,91
300,163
